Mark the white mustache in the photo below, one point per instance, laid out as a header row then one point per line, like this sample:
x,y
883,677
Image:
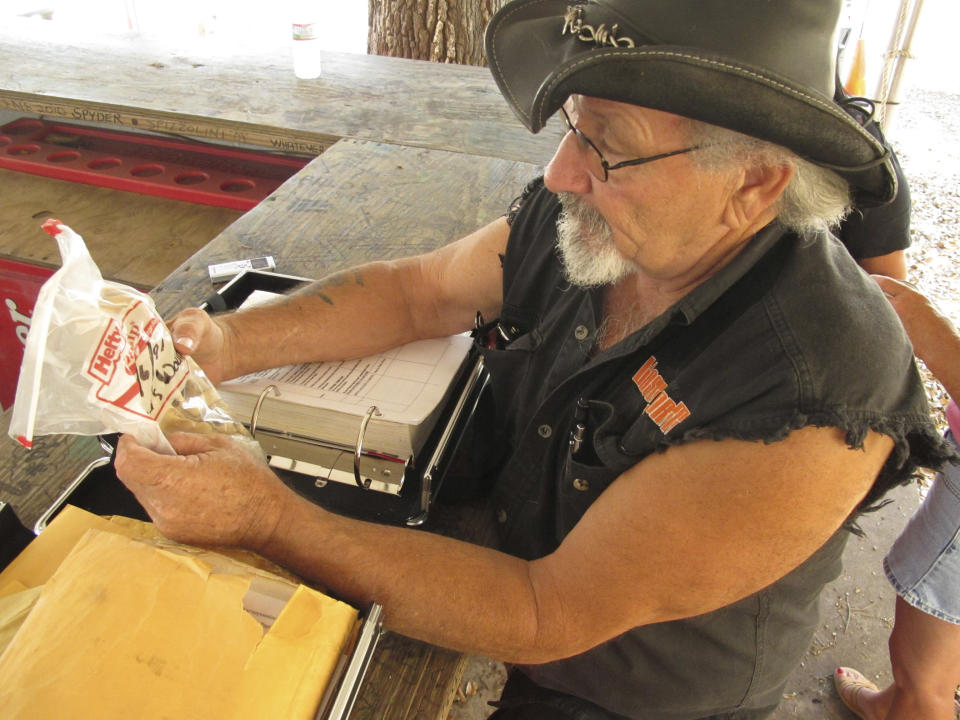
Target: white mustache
x,y
587,219
585,243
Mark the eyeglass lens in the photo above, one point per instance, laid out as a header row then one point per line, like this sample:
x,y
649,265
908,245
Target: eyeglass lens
x,y
596,163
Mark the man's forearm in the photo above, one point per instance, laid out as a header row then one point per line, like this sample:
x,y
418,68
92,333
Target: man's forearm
x,y
372,307
645,551
432,588
349,314
940,352
949,377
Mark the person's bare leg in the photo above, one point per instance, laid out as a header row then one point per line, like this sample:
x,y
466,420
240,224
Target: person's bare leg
x,y
925,657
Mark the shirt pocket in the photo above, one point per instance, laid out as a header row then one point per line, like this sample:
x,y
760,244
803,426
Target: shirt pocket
x,y
509,369
580,486
588,474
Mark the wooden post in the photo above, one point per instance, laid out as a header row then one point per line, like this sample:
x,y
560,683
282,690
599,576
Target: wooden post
x,y
442,31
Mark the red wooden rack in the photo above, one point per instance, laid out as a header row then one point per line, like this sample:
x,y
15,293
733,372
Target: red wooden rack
x,y
147,164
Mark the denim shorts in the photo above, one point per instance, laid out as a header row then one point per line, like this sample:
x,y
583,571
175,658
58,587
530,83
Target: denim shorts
x,y
924,563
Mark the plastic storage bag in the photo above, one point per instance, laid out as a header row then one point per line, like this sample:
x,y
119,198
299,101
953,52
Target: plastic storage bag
x,y
99,359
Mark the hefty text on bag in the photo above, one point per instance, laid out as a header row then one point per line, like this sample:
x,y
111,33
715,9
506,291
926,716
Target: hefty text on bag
x,y
134,367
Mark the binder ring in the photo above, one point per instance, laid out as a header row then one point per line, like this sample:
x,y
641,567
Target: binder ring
x,y
358,451
256,408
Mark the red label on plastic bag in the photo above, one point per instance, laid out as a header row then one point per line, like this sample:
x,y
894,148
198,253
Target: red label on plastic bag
x,y
134,367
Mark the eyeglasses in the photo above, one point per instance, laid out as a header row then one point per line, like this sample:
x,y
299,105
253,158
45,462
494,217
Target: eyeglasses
x,y
599,167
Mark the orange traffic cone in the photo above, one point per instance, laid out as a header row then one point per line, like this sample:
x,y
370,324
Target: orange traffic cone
x,y
856,84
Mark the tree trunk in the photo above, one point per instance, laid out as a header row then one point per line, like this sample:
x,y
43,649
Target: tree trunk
x,y
438,30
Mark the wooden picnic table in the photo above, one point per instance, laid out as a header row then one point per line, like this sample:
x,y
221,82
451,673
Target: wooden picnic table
x,y
253,98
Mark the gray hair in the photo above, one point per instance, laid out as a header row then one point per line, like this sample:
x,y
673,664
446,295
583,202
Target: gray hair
x,y
816,199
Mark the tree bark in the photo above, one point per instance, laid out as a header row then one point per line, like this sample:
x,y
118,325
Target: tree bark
x,y
438,30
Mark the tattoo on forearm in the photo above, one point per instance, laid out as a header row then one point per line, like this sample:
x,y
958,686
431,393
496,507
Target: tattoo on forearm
x,y
337,279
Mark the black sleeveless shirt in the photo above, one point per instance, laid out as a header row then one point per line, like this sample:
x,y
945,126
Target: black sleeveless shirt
x,y
791,333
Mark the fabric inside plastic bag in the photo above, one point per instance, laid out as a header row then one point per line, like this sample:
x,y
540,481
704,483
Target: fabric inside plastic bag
x,y
99,359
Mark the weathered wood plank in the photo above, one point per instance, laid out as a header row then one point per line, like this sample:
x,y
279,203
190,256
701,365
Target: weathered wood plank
x,y
32,480
409,680
356,202
134,239
221,130
255,98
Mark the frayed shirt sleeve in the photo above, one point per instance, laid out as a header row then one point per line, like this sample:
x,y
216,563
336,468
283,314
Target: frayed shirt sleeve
x,y
519,201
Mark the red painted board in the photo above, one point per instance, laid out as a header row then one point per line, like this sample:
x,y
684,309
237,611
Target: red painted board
x,y
20,284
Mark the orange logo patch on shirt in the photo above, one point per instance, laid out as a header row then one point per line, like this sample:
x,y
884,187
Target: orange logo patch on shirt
x,y
661,408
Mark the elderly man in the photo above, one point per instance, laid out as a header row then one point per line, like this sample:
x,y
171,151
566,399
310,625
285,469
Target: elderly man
x,y
668,285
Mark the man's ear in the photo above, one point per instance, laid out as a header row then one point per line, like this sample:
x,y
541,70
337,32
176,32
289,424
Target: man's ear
x,y
755,195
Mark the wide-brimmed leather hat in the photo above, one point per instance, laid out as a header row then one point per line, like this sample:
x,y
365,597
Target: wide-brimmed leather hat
x,y
765,68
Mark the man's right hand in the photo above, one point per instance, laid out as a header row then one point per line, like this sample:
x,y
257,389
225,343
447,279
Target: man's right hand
x,y
197,334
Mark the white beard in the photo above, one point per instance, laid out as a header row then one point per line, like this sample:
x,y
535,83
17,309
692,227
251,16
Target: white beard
x,y
585,243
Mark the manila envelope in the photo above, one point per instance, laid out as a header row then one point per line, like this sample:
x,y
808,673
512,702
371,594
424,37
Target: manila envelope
x,y
124,628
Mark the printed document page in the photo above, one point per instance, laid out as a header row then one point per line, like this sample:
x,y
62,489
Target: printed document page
x,y
405,383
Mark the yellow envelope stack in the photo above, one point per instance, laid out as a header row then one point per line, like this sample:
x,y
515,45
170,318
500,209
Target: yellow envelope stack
x,y
114,625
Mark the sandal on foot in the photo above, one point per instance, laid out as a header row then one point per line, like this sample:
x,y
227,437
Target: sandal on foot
x,y
850,683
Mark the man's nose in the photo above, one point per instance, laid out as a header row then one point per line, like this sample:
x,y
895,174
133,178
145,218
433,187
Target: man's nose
x,y
567,169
